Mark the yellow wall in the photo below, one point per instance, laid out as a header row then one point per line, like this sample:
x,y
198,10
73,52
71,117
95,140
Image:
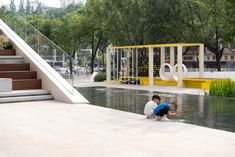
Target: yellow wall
x,y
187,83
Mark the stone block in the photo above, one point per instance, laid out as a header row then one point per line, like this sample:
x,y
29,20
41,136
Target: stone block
x,y
5,85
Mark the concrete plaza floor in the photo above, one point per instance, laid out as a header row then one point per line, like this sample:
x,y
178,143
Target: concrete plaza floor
x,y
54,129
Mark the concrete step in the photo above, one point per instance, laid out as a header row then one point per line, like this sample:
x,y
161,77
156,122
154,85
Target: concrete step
x,y
11,59
20,93
18,74
25,84
15,67
7,52
26,98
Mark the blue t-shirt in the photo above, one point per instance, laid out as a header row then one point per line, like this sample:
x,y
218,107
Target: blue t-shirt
x,y
159,107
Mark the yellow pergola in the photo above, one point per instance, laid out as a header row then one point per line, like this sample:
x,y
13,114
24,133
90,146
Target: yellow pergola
x,y
114,50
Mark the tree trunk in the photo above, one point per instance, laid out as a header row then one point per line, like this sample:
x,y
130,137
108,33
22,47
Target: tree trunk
x,y
218,64
71,64
103,60
218,54
94,51
92,47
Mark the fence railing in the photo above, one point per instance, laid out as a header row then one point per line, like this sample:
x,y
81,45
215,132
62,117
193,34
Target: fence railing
x,y
58,59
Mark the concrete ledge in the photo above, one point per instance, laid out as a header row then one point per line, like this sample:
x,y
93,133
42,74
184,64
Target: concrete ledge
x,y
5,85
164,89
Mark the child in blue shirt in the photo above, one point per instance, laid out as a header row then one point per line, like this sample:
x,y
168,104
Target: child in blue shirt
x,y
164,111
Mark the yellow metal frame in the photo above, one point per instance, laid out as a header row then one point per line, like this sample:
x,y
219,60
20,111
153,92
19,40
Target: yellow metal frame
x,y
193,83
158,45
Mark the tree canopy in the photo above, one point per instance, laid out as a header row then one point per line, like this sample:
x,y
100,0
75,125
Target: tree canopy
x,y
133,22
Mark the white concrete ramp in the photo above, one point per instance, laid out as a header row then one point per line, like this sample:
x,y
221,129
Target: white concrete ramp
x,y
52,129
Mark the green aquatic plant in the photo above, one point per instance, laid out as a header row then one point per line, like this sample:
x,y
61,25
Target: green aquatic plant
x,y
222,87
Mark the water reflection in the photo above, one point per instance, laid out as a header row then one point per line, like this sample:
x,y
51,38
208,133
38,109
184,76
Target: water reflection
x,y
201,110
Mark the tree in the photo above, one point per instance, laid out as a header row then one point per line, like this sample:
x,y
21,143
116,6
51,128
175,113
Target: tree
x,y
12,5
32,9
93,24
214,42
124,21
2,11
21,7
68,33
38,10
206,22
163,21
28,7
60,12
134,22
45,26
230,16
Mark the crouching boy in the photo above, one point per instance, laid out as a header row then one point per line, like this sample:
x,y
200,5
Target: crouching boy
x,y
164,111
150,106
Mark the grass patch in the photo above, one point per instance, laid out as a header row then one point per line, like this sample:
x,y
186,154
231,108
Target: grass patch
x,y
223,88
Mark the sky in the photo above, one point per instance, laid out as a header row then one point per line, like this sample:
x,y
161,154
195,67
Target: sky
x,y
53,3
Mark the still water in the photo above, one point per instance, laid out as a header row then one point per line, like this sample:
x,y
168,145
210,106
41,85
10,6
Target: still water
x,y
206,111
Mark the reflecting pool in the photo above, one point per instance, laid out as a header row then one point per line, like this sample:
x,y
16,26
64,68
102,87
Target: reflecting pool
x,y
206,111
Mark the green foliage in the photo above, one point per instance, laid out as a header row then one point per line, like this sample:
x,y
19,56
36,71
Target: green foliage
x,y
46,26
5,42
7,45
61,12
230,22
99,23
100,77
223,87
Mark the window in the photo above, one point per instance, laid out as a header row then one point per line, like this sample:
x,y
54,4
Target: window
x,y
188,58
208,58
232,57
214,58
226,57
232,46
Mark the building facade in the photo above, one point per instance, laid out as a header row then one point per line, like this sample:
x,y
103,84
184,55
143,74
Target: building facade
x,y
227,60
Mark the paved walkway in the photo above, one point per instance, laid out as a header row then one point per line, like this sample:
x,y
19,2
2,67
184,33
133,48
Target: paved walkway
x,y
53,129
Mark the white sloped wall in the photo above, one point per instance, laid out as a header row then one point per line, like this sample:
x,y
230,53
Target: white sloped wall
x,y
51,80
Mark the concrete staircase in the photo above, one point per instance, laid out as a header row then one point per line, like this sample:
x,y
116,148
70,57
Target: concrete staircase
x,y
13,66
25,95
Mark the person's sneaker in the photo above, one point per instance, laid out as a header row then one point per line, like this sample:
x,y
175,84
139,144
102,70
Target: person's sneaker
x,y
152,117
164,118
158,118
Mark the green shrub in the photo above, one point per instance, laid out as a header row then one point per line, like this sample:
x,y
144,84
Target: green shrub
x,y
100,77
5,42
7,45
222,87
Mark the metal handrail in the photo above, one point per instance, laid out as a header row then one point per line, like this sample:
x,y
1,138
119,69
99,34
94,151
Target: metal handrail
x,y
48,40
25,21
